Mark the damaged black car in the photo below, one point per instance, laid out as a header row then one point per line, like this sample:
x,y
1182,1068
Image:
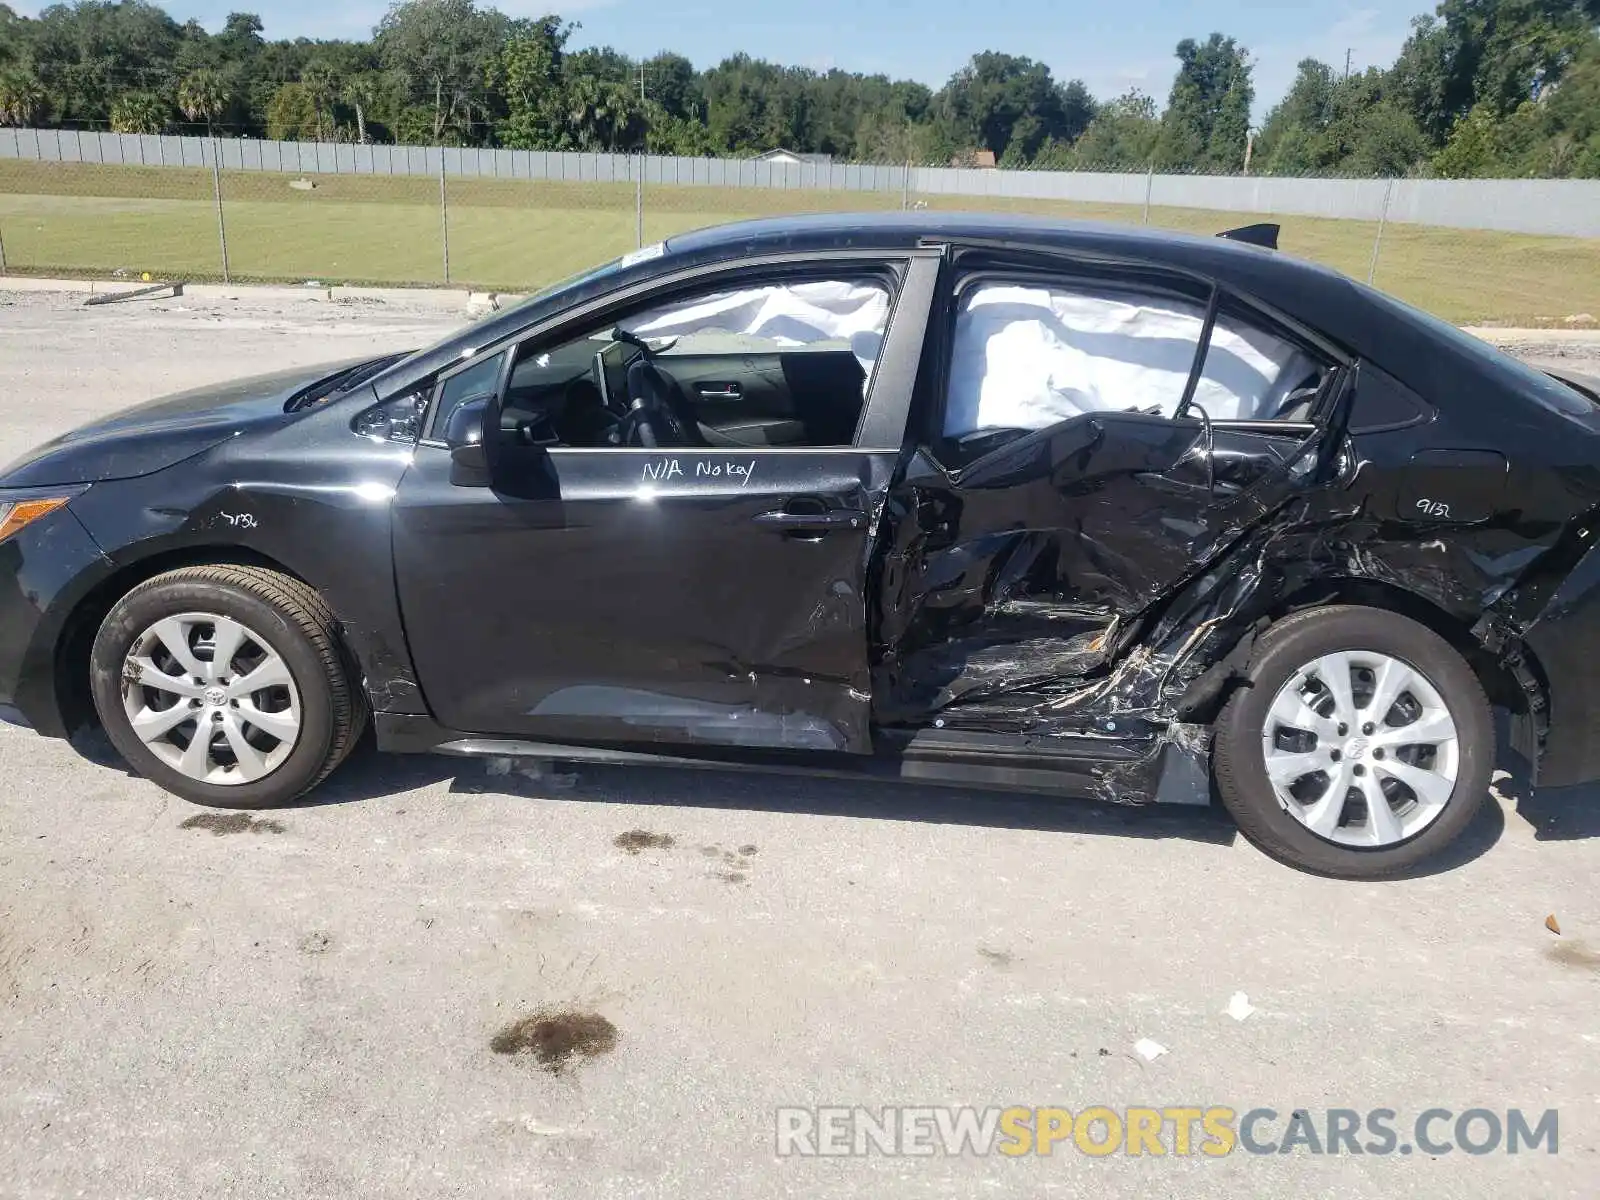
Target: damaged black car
x,y
979,500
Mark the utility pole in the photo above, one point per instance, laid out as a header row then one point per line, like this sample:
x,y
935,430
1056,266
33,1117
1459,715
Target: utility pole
x,y
444,219
216,190
638,181
638,203
1347,64
1249,149
1377,242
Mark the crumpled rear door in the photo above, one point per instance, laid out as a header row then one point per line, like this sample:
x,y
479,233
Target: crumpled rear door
x,y
1016,574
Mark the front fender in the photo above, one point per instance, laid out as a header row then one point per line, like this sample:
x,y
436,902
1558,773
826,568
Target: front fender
x,y
320,511
46,571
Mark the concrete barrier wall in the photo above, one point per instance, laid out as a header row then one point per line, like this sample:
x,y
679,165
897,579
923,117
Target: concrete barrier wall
x,y
1550,206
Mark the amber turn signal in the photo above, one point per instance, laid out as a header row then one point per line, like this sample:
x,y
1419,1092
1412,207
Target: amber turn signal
x,y
18,513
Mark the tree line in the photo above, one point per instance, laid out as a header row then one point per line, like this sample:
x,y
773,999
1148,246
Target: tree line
x,y
1480,88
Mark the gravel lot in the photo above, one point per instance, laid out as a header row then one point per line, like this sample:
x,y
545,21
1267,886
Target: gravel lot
x,y
309,1002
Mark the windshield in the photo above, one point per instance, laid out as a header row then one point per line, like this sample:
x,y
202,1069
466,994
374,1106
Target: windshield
x,y
469,339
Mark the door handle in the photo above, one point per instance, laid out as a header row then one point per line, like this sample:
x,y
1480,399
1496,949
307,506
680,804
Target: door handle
x,y
720,391
815,522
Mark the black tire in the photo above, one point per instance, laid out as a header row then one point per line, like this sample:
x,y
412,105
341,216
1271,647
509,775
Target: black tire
x,y
1239,762
301,627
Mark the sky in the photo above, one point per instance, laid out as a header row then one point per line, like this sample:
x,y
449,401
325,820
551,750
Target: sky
x,y
1112,46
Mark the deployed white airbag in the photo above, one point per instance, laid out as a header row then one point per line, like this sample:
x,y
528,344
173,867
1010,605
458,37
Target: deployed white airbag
x,y
1026,357
852,315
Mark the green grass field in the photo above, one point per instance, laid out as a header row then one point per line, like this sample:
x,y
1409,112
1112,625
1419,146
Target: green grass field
x,y
513,236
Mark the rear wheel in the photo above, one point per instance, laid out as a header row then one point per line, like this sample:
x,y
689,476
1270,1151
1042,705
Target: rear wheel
x,y
225,685
1363,745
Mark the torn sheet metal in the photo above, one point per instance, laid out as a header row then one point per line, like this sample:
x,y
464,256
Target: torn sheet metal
x,y
1078,584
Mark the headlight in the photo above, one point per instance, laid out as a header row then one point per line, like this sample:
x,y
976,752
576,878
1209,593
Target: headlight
x,y
15,514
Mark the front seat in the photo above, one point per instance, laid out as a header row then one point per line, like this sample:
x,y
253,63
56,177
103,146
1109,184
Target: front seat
x,y
660,414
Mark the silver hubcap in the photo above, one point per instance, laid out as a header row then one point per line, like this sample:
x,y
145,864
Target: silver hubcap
x,y
1361,749
211,698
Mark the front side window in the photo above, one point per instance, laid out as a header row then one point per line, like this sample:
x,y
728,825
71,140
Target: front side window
x,y
775,364
476,382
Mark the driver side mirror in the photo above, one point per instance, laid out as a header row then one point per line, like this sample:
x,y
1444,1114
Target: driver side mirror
x,y
464,434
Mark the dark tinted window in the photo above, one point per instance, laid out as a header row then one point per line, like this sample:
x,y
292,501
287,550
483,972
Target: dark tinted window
x,y
1383,402
475,383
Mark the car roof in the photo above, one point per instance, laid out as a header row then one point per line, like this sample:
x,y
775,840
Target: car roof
x,y
1422,352
888,230
1367,324
820,232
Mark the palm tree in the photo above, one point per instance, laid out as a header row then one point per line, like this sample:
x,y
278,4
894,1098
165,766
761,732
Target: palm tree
x,y
139,112
202,97
361,93
601,114
321,85
21,98
586,113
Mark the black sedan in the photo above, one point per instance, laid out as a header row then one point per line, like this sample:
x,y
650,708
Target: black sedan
x,y
959,499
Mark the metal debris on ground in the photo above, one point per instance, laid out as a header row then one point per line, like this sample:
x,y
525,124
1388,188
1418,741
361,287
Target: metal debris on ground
x,y
113,297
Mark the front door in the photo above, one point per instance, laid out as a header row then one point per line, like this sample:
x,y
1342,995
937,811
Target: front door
x,y
646,566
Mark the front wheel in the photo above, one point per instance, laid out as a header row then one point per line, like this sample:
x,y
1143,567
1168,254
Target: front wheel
x,y
1362,745
225,685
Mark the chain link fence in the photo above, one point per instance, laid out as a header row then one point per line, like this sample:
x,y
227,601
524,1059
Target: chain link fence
x,y
454,218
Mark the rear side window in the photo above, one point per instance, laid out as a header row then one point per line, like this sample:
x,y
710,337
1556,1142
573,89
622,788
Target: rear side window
x,y
1382,402
1253,374
1026,356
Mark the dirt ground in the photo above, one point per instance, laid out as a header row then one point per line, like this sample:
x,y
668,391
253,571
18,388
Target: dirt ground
x,y
1576,350
445,978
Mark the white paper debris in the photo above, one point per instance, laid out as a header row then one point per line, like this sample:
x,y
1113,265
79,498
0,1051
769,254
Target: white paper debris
x,y
1148,1050
1239,1007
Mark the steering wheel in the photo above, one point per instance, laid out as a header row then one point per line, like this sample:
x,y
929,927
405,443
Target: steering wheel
x,y
661,415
